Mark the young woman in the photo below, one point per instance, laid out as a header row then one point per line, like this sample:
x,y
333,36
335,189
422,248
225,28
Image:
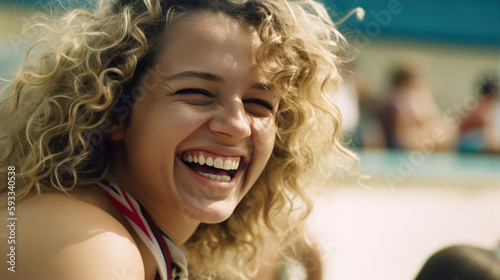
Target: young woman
x,y
150,135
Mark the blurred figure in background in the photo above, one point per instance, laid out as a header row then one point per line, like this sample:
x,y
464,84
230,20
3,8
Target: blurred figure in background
x,y
461,262
357,105
479,131
409,114
369,129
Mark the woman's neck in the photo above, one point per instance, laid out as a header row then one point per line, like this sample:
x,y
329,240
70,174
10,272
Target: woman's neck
x,y
176,225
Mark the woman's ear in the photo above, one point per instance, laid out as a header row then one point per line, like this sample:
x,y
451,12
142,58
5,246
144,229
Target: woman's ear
x,y
117,130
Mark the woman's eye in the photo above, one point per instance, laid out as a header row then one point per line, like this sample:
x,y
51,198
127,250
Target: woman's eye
x,y
259,102
194,91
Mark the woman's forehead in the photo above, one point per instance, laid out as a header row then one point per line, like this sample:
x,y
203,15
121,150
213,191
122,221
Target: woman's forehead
x,y
218,28
211,43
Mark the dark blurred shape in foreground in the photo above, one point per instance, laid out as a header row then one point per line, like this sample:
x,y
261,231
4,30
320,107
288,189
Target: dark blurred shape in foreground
x,y
461,262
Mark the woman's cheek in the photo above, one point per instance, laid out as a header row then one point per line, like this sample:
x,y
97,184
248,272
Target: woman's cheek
x,y
182,117
264,135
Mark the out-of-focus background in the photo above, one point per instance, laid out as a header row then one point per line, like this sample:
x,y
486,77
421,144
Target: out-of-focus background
x,y
421,106
421,102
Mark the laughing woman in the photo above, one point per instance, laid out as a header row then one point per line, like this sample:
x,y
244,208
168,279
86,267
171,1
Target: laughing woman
x,y
152,134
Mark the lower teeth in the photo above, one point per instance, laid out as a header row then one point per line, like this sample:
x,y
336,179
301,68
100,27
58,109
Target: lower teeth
x,y
221,178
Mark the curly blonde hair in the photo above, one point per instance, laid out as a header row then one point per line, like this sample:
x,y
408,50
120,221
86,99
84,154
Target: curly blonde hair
x,y
68,92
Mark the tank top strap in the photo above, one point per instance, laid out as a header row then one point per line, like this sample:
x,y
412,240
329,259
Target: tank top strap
x,y
170,259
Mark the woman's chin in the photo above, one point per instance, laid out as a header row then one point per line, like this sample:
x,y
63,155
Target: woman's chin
x,y
215,219
213,214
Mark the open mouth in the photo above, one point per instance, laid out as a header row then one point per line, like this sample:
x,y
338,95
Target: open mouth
x,y
218,168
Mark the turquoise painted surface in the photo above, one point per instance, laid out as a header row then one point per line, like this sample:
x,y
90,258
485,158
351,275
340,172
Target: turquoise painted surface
x,y
464,22
442,165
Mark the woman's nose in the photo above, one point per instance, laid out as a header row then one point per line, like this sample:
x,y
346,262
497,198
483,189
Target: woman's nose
x,y
231,121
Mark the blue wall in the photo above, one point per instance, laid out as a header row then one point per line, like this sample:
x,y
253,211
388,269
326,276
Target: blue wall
x,y
467,22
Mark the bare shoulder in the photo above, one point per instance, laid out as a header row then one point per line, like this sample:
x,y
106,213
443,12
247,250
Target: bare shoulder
x,y
59,237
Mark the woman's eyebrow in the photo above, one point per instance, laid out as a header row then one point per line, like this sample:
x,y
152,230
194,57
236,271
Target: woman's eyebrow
x,y
209,77
196,74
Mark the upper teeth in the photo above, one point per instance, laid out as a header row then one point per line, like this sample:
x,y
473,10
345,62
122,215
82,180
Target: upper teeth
x,y
217,162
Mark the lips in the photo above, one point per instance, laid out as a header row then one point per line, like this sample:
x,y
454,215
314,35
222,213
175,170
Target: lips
x,y
214,166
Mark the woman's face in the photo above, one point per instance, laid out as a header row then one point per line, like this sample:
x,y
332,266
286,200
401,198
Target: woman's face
x,y
203,127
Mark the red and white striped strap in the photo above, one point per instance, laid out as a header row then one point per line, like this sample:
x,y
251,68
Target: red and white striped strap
x,y
170,259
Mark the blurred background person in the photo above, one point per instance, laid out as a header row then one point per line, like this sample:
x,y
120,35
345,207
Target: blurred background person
x,y
356,104
409,112
479,131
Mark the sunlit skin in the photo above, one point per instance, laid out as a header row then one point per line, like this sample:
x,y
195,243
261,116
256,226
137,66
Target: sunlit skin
x,y
209,99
